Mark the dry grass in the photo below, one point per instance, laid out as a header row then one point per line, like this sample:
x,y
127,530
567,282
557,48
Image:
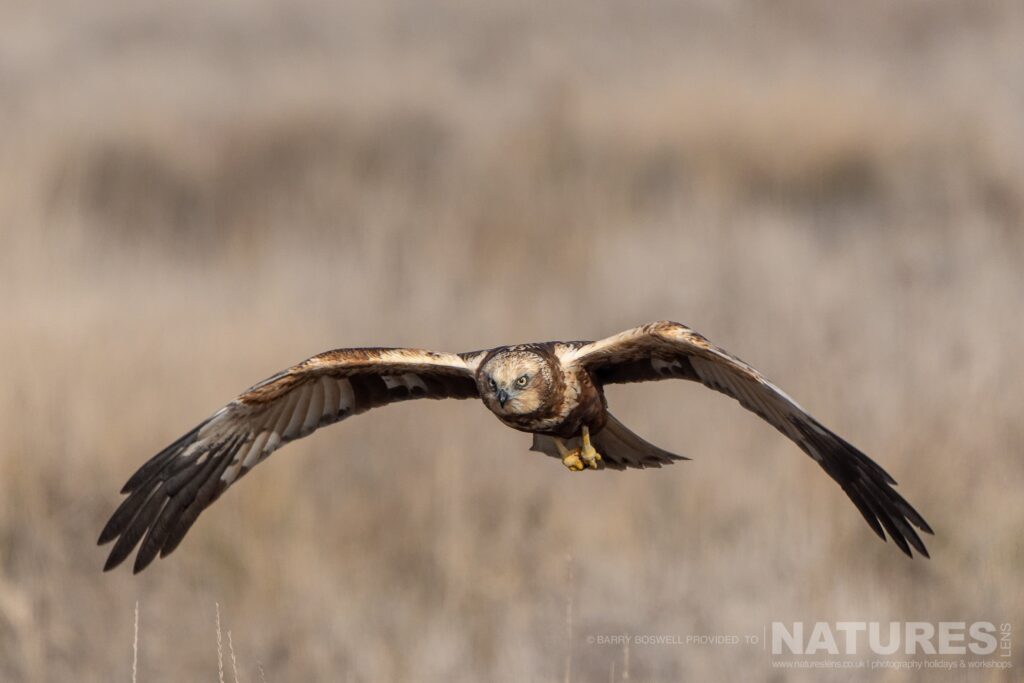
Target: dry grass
x,y
192,198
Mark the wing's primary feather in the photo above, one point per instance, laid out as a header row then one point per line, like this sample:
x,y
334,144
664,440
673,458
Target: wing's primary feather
x,y
166,494
667,350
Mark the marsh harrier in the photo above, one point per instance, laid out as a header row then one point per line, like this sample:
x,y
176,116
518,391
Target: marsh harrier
x,y
553,390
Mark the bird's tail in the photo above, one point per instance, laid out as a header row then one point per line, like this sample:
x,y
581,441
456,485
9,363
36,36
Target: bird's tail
x,y
619,448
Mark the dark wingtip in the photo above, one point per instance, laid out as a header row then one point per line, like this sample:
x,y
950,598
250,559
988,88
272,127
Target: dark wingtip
x,y
107,535
154,465
141,562
869,486
116,557
170,510
147,492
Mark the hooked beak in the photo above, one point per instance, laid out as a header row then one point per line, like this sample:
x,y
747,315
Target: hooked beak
x,y
502,397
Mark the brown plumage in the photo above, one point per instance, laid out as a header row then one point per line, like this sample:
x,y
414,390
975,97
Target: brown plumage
x,y
554,390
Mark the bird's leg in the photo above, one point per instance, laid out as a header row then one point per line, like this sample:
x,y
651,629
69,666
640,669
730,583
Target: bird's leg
x,y
589,454
570,459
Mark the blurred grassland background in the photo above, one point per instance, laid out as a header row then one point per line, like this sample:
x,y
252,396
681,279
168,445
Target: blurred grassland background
x,y
196,195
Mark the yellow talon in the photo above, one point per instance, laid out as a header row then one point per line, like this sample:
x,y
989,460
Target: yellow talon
x,y
589,453
579,459
570,459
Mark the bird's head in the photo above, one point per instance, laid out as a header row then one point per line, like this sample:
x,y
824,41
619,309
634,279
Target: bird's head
x,y
515,382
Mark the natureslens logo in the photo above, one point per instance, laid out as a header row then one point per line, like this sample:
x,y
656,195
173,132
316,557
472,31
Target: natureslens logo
x,y
909,645
978,638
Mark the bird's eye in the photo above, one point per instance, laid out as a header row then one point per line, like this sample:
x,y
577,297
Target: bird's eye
x,y
523,379
494,385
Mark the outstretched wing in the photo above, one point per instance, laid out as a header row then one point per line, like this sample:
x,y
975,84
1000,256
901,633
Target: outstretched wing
x,y
166,495
666,350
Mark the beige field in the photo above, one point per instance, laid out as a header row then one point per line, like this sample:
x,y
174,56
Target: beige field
x,y
195,196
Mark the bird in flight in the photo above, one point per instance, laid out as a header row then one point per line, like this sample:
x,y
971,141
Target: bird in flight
x,y
553,390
